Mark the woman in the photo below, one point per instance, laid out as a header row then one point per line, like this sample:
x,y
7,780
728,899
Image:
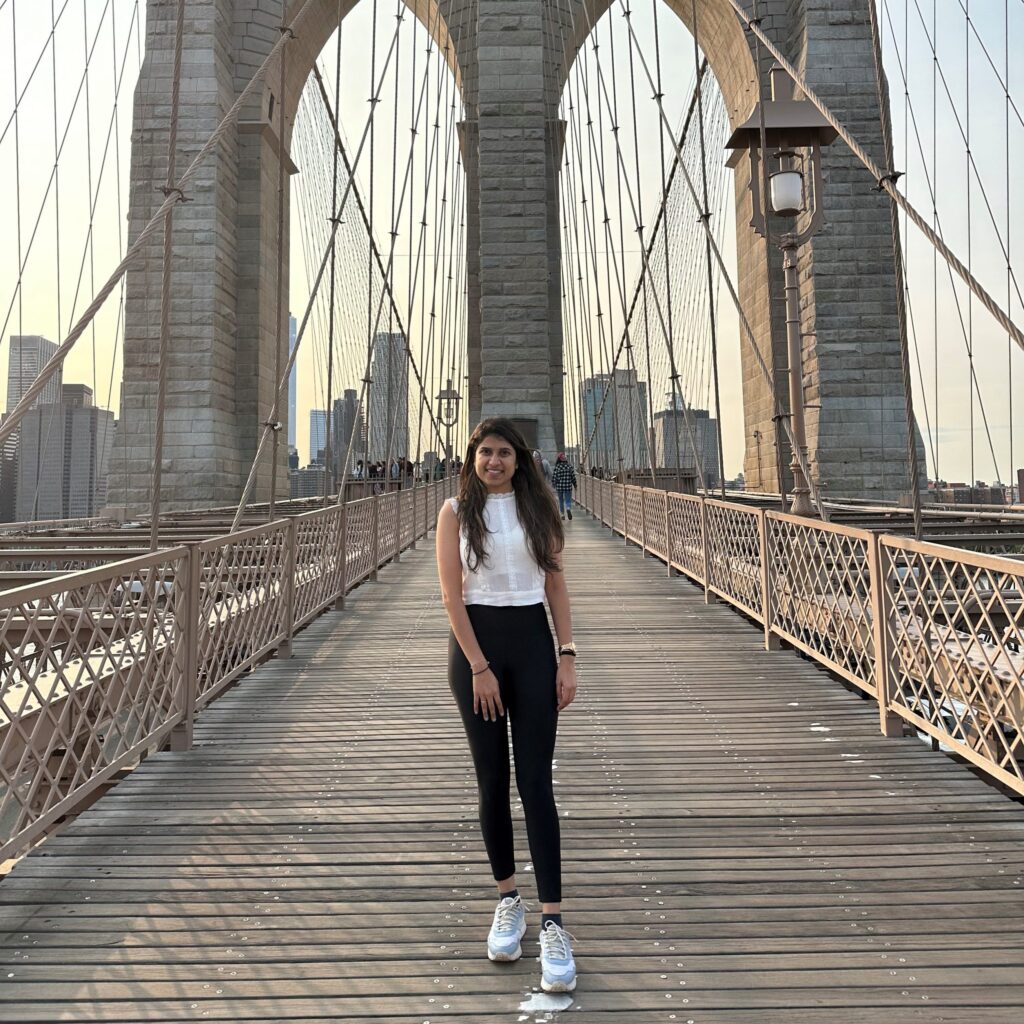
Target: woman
x,y
563,478
499,554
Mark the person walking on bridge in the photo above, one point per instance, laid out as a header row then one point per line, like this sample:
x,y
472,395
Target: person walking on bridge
x,y
499,555
563,476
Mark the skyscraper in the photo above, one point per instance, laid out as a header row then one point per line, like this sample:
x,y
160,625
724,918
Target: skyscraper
x,y
346,421
615,426
64,451
389,398
28,355
317,434
670,427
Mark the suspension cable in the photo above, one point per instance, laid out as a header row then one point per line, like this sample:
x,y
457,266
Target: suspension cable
x,y
16,415
884,181
165,282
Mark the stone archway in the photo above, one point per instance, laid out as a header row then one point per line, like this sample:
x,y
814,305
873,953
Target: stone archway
x,y
225,335
224,311
856,429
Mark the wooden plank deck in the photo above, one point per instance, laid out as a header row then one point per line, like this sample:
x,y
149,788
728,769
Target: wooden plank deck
x,y
740,843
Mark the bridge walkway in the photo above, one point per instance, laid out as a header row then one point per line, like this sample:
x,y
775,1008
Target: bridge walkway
x,y
741,844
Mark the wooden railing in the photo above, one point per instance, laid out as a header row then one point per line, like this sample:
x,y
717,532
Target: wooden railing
x,y
934,634
102,665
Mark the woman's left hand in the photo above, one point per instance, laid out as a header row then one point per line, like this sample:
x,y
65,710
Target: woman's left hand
x,y
565,681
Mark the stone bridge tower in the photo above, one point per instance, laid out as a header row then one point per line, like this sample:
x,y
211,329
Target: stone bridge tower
x,y
510,65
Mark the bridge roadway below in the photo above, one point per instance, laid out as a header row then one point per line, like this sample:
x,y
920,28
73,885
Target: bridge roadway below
x,y
740,842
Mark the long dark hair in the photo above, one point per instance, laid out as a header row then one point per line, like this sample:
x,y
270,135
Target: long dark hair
x,y
535,501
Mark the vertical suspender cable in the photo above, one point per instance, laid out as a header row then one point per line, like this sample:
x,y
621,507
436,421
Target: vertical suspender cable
x,y
17,200
652,455
1009,267
281,322
780,462
631,375
707,251
645,256
328,441
901,295
368,377
213,140
165,286
935,226
970,247
321,270
664,233
393,398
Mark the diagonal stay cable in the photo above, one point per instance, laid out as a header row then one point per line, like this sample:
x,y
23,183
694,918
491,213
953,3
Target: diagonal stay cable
x,y
746,330
271,421
379,263
885,182
155,222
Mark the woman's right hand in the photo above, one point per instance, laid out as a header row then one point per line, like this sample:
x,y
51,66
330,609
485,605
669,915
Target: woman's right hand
x,y
486,696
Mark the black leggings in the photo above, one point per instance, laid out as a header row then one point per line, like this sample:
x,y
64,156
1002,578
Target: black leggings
x,y
518,644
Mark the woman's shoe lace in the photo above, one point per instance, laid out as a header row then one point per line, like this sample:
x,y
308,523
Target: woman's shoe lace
x,y
555,941
507,913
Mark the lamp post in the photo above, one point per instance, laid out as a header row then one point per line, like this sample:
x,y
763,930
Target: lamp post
x,y
794,132
448,413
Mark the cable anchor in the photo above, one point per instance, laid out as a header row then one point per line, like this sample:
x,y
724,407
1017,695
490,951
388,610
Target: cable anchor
x,y
892,177
173,190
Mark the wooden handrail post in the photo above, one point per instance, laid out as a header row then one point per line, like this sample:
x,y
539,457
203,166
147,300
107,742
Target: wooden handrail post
x,y
643,521
375,517
668,539
182,734
398,524
881,609
709,597
412,502
291,562
771,641
339,602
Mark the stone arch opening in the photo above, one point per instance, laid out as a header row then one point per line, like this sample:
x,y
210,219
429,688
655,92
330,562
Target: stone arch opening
x,y
731,65
856,430
224,310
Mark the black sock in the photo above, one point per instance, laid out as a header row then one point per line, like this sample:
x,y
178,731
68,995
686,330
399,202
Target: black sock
x,y
544,918
511,894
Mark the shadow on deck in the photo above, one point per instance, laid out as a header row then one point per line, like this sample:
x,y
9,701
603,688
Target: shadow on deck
x,y
740,843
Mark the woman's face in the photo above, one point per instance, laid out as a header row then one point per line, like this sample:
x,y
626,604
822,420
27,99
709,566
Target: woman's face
x,y
495,463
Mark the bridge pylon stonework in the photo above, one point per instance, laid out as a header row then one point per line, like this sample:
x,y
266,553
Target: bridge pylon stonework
x,y
510,59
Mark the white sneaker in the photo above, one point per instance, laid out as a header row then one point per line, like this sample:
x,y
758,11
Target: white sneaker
x,y
504,943
558,969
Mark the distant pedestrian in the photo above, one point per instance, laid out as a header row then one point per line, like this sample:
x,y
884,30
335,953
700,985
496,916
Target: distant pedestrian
x,y
544,466
563,476
499,554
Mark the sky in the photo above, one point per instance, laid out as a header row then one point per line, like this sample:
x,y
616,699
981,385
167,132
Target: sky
x,y
87,118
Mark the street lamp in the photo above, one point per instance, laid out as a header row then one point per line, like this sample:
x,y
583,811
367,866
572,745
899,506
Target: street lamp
x,y
448,413
794,132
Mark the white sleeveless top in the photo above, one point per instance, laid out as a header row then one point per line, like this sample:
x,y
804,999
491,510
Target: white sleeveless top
x,y
510,575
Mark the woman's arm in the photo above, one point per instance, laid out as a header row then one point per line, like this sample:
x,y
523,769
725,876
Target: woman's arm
x,y
449,571
557,593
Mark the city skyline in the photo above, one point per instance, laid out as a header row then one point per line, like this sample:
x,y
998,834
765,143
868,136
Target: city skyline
x,y
56,462
48,303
